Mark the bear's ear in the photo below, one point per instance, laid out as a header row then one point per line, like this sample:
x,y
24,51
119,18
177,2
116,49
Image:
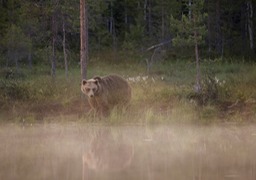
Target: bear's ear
x,y
98,79
84,82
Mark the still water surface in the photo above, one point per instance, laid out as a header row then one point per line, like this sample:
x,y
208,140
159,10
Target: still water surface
x,y
173,152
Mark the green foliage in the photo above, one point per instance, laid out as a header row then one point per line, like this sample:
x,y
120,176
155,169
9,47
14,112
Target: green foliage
x,y
189,25
16,43
210,91
134,38
14,90
122,24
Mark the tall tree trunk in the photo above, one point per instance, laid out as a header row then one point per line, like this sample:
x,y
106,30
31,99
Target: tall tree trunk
x,y
198,87
53,59
112,30
145,9
112,26
250,23
218,38
30,58
54,38
163,20
16,59
150,24
243,27
30,54
114,40
148,17
8,57
83,38
126,17
111,20
209,27
189,9
64,47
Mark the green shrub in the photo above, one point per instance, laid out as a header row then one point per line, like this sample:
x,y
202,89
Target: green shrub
x,y
14,90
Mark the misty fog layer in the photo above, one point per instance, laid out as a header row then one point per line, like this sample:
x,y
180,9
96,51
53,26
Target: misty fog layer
x,y
79,151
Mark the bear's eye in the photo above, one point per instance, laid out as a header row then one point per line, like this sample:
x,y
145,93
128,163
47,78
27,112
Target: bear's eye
x,y
87,89
94,89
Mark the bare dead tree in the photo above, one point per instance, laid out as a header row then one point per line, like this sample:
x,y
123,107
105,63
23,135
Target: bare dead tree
x,y
152,59
156,49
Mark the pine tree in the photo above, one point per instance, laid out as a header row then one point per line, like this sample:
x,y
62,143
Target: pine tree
x,y
16,44
190,31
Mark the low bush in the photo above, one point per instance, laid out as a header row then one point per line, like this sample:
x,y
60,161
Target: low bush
x,y
14,90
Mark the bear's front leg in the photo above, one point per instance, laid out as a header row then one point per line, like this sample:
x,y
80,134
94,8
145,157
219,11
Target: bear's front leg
x,y
104,111
103,107
95,109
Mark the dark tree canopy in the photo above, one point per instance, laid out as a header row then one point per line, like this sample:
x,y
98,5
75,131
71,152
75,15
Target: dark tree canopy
x,y
38,28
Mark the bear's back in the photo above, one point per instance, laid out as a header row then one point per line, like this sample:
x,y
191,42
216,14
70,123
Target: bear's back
x,y
117,88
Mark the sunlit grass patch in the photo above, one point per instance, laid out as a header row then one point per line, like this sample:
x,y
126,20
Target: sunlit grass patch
x,y
152,89
183,112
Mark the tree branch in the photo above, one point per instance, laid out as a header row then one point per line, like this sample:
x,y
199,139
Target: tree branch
x,y
158,45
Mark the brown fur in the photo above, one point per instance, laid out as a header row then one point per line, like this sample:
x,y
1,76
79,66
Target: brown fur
x,y
104,93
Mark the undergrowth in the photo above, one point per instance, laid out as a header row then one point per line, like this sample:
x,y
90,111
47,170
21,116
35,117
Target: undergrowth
x,y
165,95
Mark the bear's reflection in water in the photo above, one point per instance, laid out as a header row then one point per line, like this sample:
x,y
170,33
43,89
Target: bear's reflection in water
x,y
99,152
108,152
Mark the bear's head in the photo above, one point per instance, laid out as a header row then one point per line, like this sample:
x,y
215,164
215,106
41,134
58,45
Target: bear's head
x,y
91,87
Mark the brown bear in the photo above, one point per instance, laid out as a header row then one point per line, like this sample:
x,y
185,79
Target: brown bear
x,y
105,93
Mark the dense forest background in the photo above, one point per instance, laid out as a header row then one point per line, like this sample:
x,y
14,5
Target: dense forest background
x,y
36,31
178,56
